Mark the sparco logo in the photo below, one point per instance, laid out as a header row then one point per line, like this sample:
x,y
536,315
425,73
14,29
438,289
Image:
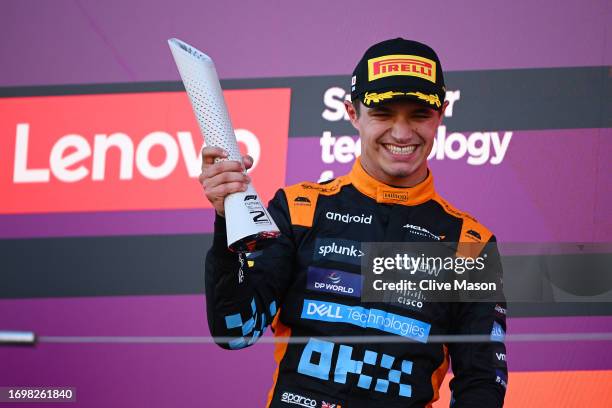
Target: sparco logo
x,y
348,218
290,398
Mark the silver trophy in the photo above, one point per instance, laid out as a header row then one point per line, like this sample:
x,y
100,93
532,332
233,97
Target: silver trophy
x,y
249,225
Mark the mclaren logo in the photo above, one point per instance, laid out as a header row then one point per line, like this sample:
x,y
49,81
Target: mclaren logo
x,y
300,200
474,235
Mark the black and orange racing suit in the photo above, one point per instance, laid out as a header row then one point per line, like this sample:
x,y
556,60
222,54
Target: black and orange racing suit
x,y
307,285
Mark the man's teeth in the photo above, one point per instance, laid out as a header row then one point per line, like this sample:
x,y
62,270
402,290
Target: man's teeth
x,y
400,150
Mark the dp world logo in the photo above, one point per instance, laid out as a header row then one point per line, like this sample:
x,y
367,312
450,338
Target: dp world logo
x,y
334,281
334,277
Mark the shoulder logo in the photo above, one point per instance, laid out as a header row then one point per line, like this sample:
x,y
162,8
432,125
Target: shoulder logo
x,y
497,332
327,187
500,310
300,200
501,378
473,235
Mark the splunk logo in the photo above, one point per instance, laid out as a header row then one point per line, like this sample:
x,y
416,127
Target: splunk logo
x,y
349,218
366,318
318,360
339,250
126,151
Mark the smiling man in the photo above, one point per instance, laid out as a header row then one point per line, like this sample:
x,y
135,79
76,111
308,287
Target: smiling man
x,y
308,284
399,87
396,138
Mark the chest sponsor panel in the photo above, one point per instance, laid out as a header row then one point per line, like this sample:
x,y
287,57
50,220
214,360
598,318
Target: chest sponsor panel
x,y
339,250
358,368
346,217
499,359
366,318
333,281
498,333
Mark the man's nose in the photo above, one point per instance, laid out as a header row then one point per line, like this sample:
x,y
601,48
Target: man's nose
x,y
402,131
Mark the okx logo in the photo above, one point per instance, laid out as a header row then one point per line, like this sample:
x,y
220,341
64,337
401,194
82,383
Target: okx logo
x,y
339,250
366,318
318,355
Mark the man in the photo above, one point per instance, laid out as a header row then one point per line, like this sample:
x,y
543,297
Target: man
x,y
307,284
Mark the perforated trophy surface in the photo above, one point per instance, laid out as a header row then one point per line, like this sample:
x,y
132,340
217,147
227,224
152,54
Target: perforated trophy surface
x,y
249,225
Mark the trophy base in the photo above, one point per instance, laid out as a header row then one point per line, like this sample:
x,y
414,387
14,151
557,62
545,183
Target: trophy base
x,y
254,242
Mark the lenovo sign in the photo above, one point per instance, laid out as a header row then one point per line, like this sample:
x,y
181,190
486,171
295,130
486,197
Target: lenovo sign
x,y
128,151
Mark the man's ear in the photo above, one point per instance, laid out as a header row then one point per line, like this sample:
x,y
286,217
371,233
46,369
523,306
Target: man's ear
x,y
444,105
350,109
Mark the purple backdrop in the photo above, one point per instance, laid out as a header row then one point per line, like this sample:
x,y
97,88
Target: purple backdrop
x,y
76,41
85,42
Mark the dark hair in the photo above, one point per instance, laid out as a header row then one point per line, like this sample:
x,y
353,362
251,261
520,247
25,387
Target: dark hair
x,y
357,105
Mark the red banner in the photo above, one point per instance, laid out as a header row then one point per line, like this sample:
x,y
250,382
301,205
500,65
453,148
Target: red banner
x,y
140,151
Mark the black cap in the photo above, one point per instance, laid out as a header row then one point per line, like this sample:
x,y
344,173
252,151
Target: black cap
x,y
399,68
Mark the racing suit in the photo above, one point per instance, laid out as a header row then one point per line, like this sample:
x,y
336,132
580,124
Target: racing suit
x,y
307,284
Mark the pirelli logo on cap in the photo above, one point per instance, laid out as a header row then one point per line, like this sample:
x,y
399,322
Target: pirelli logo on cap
x,y
410,65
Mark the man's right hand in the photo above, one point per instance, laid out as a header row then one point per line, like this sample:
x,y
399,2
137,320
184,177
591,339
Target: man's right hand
x,y
223,177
